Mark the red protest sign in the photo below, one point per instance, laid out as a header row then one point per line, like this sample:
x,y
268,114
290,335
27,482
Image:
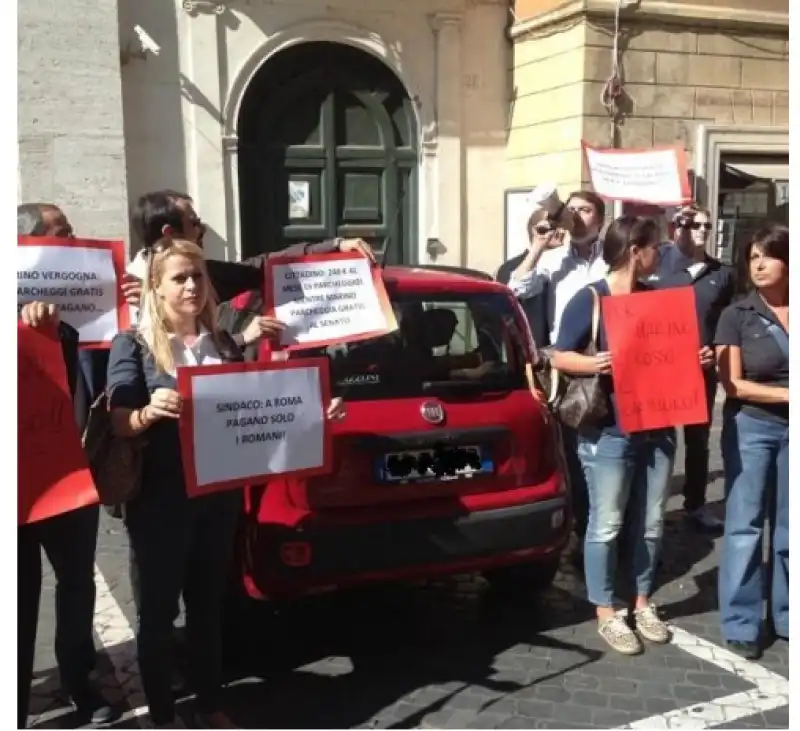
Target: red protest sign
x,y
53,475
326,299
654,342
81,277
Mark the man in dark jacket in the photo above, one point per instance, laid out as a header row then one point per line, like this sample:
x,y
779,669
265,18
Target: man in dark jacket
x,y
714,287
171,213
69,540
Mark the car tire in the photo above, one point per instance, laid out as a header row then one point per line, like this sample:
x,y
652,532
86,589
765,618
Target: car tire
x,y
524,578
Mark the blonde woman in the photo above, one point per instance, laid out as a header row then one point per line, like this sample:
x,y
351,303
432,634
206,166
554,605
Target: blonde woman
x,y
182,546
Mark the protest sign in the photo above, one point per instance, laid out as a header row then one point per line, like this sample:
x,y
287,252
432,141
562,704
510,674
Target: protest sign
x,y
655,343
657,176
81,277
245,422
53,475
327,298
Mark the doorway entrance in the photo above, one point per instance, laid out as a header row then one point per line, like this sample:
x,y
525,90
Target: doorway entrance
x,y
327,147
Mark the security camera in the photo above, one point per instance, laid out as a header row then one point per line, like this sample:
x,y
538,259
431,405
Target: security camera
x,y
148,44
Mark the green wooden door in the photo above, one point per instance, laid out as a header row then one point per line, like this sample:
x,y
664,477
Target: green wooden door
x,y
327,148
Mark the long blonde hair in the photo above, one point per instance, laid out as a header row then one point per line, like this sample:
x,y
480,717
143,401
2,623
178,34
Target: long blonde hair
x,y
154,326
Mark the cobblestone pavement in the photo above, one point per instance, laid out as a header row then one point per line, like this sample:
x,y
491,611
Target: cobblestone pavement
x,y
453,655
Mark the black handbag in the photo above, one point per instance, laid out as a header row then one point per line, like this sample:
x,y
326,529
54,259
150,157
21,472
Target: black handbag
x,y
576,401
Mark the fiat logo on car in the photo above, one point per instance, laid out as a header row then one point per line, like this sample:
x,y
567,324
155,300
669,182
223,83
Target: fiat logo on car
x,y
432,412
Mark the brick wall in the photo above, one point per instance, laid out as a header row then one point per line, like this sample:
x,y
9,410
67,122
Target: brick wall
x,y
70,135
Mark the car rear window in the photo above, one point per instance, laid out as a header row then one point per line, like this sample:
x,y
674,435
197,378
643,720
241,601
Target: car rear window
x,y
444,344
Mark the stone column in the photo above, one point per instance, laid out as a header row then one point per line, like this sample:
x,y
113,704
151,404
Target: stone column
x,y
449,182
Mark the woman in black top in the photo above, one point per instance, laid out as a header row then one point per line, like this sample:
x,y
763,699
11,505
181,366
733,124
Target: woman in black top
x,y
182,545
752,343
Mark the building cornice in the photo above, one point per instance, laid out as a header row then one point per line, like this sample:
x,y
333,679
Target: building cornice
x,y
667,12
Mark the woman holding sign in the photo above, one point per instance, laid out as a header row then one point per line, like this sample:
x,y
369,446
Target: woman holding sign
x,y
620,468
182,546
753,354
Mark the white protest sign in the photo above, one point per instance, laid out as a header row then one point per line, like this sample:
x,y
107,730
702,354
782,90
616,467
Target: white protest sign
x,y
657,176
327,299
80,280
251,423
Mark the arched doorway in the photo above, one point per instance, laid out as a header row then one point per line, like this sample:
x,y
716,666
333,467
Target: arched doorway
x,y
327,147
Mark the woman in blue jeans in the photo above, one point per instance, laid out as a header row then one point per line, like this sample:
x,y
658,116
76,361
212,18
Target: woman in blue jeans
x,y
752,343
620,468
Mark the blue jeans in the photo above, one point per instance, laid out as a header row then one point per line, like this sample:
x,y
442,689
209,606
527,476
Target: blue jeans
x,y
619,469
755,453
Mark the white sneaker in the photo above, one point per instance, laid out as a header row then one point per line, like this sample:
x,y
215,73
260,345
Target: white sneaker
x,y
706,519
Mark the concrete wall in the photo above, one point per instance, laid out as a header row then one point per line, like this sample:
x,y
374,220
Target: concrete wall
x,y
181,106
70,133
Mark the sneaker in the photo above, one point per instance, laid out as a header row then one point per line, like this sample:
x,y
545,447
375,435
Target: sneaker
x,y
216,719
619,636
705,520
650,626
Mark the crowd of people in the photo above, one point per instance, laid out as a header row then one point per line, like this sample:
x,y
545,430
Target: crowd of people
x,y
620,482
181,547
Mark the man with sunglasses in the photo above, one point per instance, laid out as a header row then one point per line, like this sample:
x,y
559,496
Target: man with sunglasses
x,y
69,540
171,213
686,263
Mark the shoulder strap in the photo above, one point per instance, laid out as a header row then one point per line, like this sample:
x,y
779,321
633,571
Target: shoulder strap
x,y
595,316
778,335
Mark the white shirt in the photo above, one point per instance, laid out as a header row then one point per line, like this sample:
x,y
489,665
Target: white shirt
x,y
566,272
201,352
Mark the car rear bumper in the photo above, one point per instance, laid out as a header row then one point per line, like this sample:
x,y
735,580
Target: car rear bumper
x,y
351,553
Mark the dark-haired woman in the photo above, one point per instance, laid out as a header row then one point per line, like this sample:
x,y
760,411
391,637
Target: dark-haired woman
x,y
619,468
752,343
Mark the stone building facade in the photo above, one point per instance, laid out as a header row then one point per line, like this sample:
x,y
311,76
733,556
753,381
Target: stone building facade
x,y
401,121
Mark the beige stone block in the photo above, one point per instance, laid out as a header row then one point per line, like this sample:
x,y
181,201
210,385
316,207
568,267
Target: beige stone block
x,y
744,46
539,46
781,106
760,74
643,37
674,132
715,104
550,73
633,132
545,106
638,66
548,137
555,167
752,107
646,100
692,70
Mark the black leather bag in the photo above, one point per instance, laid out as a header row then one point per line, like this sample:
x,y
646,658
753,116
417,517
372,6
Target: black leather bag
x,y
576,401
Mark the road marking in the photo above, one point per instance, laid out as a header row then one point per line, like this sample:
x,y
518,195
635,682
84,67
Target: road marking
x,y
771,691
119,643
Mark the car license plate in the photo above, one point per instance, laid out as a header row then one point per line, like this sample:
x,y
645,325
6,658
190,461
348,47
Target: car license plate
x,y
433,465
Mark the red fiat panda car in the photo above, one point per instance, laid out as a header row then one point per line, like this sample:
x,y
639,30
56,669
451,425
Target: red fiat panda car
x,y
445,462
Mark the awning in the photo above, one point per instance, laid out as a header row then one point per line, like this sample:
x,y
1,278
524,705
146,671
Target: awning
x,y
760,170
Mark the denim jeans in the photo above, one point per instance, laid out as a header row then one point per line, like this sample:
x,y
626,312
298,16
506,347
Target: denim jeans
x,y
755,453
634,468
577,481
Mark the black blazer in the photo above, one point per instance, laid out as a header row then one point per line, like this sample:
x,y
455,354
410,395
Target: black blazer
x,y
535,308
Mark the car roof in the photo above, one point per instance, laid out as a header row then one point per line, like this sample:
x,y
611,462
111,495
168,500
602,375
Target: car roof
x,y
434,278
